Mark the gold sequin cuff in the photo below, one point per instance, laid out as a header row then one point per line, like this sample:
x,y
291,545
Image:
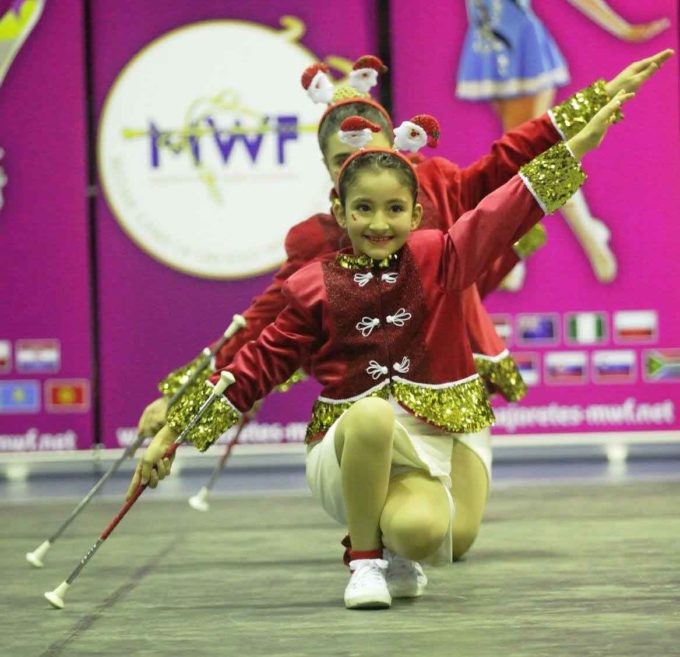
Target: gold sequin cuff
x,y
502,376
177,378
459,408
531,241
553,177
572,115
219,417
297,377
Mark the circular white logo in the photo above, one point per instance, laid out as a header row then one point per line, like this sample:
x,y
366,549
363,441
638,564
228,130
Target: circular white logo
x,y
207,147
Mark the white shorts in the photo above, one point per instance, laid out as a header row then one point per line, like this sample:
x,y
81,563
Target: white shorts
x,y
417,446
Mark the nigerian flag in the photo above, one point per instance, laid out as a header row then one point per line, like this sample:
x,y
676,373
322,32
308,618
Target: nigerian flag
x,y
586,328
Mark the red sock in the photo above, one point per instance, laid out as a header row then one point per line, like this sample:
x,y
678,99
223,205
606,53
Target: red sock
x,y
365,554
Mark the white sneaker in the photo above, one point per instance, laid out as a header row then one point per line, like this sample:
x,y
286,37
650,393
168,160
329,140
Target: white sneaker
x,y
367,588
405,578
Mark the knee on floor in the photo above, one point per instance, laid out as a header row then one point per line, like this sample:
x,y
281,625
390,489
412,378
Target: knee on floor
x,y
462,540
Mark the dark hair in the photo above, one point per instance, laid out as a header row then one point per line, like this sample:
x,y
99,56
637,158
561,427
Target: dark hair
x,y
336,116
378,161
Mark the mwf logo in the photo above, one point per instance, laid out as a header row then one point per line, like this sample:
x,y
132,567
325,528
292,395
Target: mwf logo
x,y
207,147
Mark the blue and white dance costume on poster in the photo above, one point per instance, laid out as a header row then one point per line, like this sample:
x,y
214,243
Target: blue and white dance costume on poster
x,y
508,52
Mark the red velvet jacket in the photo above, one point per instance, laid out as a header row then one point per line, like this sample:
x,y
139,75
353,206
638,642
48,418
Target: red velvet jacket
x,y
391,328
395,328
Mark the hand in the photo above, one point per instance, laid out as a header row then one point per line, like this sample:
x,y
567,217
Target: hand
x,y
645,31
634,75
153,418
593,133
152,467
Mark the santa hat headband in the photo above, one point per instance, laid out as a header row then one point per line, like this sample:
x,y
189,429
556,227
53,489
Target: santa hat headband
x,y
321,88
356,131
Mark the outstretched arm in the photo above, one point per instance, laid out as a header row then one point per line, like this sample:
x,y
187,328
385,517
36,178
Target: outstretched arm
x,y
257,368
542,186
601,13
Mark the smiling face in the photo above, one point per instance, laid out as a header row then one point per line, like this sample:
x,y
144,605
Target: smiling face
x,y
336,152
379,212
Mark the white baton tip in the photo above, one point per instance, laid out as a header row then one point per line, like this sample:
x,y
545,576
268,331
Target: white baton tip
x,y
226,379
200,500
35,558
206,352
56,597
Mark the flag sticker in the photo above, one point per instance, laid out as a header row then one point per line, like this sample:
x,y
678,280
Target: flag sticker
x,y
503,326
566,367
635,326
19,396
586,328
537,329
528,363
661,365
38,356
67,395
5,356
614,366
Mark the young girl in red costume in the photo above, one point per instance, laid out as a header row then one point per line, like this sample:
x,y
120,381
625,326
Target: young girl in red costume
x,y
380,325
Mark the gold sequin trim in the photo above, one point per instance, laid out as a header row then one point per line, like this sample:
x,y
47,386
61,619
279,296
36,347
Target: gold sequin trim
x,y
344,92
461,408
348,261
297,377
554,176
573,114
219,417
531,241
325,413
504,376
177,378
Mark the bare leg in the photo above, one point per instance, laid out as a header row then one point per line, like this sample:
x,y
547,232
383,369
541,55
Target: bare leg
x,y
470,491
591,233
416,516
363,445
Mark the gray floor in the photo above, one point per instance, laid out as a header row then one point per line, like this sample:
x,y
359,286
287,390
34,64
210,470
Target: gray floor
x,y
567,564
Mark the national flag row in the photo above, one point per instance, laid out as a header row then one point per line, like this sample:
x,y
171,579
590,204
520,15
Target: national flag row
x,y
601,367
584,328
40,356
60,396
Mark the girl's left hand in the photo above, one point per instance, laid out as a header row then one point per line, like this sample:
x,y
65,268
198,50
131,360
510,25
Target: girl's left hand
x,y
636,74
594,131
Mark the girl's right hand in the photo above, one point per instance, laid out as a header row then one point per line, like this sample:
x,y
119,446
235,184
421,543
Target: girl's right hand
x,y
593,133
153,466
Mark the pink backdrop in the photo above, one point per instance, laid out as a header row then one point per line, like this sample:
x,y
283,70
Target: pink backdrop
x,y
633,187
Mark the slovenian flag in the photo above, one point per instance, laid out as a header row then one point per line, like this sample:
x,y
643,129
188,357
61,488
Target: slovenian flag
x,y
586,328
635,326
614,366
566,367
19,396
36,356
